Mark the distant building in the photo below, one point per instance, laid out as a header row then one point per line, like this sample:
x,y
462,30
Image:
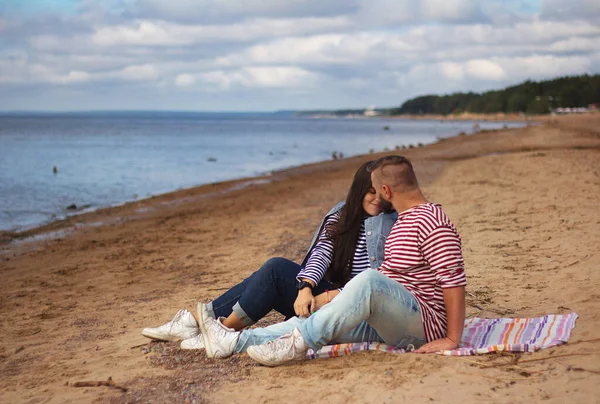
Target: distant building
x,y
575,110
370,111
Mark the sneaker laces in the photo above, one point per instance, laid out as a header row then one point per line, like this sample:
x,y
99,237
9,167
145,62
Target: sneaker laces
x,y
280,343
175,319
221,330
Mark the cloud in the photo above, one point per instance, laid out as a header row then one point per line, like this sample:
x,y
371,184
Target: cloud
x,y
160,33
370,12
452,70
249,54
569,10
227,11
545,66
261,77
456,11
139,72
185,80
485,70
327,49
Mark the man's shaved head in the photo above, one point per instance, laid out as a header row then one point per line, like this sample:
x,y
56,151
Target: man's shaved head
x,y
396,172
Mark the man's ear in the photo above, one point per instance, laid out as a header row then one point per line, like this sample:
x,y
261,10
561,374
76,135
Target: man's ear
x,y
387,192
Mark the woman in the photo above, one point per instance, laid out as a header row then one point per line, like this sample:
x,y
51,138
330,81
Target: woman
x,y
351,238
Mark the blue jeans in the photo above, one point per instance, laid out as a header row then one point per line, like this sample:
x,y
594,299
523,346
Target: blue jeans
x,y
372,307
272,287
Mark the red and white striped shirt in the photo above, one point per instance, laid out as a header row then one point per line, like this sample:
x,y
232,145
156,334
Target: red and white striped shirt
x,y
423,253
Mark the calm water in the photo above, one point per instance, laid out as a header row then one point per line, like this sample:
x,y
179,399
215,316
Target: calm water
x,y
107,159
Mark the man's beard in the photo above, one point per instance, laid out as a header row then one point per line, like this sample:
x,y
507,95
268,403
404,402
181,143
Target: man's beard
x,y
386,206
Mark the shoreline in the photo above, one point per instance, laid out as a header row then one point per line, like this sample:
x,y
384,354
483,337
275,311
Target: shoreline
x,y
92,217
498,117
463,117
65,217
524,201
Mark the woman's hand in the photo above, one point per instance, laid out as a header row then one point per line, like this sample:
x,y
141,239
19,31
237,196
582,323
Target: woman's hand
x,y
305,303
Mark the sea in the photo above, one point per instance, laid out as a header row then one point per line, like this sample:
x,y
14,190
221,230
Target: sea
x,y
56,165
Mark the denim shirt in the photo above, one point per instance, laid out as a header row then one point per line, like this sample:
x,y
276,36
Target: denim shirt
x,y
377,228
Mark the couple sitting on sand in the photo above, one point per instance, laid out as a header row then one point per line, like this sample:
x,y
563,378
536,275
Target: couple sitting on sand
x,y
396,278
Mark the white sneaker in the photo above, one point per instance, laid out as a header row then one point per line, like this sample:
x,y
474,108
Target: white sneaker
x,y
196,342
182,326
287,348
219,340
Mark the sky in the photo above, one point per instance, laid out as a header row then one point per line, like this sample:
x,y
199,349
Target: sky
x,y
265,55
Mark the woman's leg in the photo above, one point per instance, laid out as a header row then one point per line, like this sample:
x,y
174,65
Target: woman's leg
x,y
222,306
272,287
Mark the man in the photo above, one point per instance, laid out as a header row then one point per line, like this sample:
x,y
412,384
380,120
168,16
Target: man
x,y
415,298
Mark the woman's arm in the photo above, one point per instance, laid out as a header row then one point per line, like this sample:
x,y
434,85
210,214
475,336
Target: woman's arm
x,y
315,268
321,255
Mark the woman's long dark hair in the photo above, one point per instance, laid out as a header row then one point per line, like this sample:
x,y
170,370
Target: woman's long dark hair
x,y
344,233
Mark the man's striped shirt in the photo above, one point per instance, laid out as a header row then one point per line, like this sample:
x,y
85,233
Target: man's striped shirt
x,y
322,254
423,253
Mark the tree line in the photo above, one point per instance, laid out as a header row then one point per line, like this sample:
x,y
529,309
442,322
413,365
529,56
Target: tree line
x,y
530,97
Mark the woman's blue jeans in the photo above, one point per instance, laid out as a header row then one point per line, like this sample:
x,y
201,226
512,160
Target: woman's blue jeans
x,y
272,287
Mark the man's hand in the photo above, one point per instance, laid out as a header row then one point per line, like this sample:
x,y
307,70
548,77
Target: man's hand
x,y
305,303
442,344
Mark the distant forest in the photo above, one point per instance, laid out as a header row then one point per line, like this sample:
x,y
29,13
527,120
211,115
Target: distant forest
x,y
530,97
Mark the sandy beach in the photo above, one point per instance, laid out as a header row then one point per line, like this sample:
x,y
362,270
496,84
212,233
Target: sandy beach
x,y
525,202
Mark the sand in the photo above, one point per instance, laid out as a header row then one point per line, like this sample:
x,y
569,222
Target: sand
x,y
525,202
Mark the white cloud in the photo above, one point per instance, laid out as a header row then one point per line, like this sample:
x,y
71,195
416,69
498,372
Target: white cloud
x,y
261,77
332,49
370,12
485,70
386,50
43,74
185,80
160,33
572,9
575,44
226,11
382,13
76,77
450,10
139,72
452,70
545,66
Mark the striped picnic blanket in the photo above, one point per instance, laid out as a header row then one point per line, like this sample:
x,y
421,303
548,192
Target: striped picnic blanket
x,y
483,335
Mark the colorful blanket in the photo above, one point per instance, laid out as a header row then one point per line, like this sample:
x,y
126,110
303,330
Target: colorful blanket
x,y
483,335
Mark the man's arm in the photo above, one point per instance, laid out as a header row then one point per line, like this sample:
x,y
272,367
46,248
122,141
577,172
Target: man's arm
x,y
443,251
454,300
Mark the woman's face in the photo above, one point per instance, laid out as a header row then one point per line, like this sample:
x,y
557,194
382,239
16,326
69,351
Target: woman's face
x,y
371,204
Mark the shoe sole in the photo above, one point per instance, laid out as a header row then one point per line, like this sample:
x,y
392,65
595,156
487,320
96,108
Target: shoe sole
x,y
157,337
191,349
210,353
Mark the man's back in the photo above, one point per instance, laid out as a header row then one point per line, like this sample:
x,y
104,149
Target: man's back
x,y
423,253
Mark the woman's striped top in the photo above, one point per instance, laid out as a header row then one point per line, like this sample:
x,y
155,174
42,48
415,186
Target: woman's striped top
x,y
322,254
423,253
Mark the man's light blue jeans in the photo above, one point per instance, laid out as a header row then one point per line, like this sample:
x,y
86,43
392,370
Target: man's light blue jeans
x,y
371,308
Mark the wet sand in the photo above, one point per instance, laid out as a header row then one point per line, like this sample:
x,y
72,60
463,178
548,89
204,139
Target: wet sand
x,y
525,202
